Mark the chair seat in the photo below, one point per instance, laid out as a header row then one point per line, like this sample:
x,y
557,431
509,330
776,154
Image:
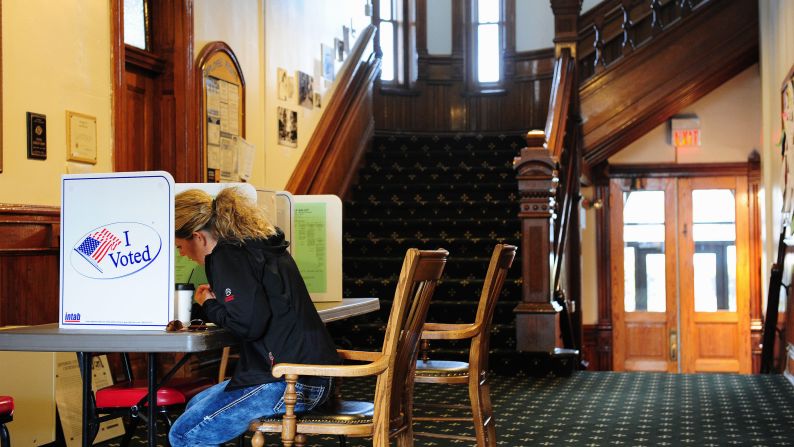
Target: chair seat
x,y
441,368
6,406
349,412
128,394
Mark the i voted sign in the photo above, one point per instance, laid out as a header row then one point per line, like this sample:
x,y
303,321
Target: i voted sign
x,y
116,250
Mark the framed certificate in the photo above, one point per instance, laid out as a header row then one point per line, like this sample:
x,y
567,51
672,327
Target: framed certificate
x,y
80,137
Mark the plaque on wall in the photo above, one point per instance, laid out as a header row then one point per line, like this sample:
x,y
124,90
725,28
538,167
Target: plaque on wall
x,y
37,136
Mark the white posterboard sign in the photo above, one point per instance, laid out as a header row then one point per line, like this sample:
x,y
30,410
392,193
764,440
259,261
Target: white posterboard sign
x,y
317,244
117,242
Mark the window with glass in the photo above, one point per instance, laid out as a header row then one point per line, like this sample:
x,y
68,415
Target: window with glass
x,y
387,39
714,260
486,41
136,24
643,251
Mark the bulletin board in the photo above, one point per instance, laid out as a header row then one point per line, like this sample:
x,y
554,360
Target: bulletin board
x,y
222,92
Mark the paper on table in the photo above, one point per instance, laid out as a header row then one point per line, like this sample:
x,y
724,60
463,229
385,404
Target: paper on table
x,y
68,397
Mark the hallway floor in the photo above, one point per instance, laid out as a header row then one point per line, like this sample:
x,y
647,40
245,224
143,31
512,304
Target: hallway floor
x,y
607,408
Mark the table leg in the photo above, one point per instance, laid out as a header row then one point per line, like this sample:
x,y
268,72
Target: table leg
x,y
84,359
152,401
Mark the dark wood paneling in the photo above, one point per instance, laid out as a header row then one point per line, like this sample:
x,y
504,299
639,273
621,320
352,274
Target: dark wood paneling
x,y
439,101
672,71
29,260
597,347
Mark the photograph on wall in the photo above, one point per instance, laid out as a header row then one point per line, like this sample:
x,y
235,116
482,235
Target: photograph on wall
x,y
327,59
318,100
287,127
346,38
339,44
305,90
284,84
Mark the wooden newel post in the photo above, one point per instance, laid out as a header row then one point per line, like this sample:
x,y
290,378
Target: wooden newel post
x,y
536,314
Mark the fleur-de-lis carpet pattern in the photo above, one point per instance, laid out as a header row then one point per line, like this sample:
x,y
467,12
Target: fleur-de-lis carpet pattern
x,y
455,192
605,409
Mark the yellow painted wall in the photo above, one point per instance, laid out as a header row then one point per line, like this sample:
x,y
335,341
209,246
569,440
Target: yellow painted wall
x,y
239,23
294,31
777,57
56,57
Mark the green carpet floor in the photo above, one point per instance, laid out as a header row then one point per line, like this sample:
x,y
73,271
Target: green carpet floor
x,y
607,409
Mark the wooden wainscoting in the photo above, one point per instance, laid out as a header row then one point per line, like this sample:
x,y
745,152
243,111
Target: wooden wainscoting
x,y
597,346
29,260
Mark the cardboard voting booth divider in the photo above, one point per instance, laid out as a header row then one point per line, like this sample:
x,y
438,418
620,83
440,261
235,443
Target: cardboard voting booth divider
x,y
116,256
317,244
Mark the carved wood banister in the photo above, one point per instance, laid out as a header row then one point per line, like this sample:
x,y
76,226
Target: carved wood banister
x,y
545,205
344,130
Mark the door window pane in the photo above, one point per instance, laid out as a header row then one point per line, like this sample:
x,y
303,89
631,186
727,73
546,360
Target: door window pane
x,y
135,23
643,252
714,236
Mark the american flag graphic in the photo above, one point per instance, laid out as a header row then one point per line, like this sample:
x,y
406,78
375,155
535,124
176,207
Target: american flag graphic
x,y
97,245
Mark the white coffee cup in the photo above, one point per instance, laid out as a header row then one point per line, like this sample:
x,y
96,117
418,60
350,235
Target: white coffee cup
x,y
183,302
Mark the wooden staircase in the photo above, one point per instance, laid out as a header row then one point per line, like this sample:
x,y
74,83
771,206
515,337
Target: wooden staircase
x,y
638,64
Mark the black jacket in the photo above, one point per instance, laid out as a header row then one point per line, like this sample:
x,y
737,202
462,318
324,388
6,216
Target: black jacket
x,y
261,298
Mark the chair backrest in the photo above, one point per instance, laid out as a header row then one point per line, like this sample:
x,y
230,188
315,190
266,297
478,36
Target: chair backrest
x,y
501,260
420,273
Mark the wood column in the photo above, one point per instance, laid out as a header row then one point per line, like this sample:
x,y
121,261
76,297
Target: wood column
x,y
536,314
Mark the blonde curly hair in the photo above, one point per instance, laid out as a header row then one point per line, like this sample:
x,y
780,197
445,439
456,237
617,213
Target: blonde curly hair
x,y
231,216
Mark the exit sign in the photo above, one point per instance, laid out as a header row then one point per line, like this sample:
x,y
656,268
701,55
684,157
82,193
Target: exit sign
x,y
685,132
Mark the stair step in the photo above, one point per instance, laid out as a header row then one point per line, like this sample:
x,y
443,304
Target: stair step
x,y
448,290
497,208
415,172
458,267
463,246
421,195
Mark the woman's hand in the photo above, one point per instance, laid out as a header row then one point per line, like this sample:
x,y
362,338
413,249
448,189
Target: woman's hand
x,y
203,293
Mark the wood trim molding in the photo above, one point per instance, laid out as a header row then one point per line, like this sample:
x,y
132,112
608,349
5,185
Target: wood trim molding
x,y
327,154
637,94
597,346
663,170
118,69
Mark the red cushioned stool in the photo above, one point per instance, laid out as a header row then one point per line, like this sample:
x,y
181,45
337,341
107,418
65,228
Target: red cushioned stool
x,y
6,415
125,399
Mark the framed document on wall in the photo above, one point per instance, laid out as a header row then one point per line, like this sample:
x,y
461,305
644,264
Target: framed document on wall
x,y
222,112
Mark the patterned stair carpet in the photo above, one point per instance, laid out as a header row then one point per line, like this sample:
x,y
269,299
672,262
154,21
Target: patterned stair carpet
x,y
454,192
607,409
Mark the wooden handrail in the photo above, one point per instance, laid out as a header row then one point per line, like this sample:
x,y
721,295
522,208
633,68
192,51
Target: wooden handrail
x,y
560,102
329,156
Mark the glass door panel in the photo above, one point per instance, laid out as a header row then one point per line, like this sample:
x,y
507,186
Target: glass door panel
x,y
643,251
714,258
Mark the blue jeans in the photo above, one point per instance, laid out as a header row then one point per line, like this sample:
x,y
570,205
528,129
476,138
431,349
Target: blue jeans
x,y
215,416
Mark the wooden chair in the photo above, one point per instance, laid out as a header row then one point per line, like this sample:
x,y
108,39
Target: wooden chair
x,y
390,413
6,416
474,373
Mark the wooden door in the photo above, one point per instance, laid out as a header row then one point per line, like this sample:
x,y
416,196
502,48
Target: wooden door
x,y
138,152
714,274
680,274
644,317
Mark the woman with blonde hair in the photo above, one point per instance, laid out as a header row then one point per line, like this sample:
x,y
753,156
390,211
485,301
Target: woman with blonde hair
x,y
256,292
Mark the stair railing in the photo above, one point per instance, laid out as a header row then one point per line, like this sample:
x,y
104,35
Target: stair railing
x,y
615,28
345,129
546,207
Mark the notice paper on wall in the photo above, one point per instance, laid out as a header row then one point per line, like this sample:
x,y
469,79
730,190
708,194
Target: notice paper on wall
x,y
317,244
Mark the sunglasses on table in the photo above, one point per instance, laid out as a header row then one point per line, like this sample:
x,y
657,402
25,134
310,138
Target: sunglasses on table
x,y
176,326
